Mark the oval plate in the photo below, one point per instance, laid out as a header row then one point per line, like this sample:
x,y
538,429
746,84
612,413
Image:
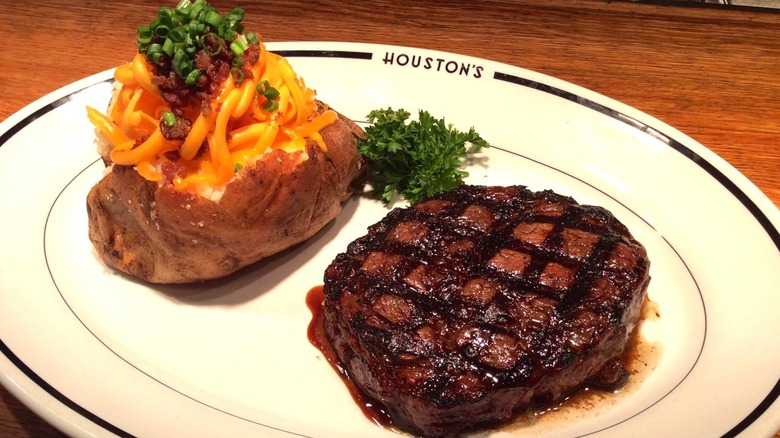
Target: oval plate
x,y
97,353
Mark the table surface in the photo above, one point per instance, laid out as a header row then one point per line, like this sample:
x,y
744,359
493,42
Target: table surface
x,y
712,73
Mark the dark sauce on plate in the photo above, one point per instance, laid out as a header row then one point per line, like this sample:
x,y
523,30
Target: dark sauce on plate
x,y
372,409
640,358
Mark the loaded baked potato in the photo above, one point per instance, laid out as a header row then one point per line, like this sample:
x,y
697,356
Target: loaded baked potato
x,y
217,154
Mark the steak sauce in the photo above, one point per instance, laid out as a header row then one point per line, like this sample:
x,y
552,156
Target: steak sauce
x,y
372,409
639,359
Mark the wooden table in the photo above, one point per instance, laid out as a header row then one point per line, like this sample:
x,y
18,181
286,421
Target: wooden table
x,y
712,73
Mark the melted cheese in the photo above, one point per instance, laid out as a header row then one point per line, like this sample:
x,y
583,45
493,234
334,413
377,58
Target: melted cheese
x,y
237,132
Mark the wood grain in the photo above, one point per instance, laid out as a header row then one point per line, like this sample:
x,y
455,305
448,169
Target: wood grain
x,y
711,73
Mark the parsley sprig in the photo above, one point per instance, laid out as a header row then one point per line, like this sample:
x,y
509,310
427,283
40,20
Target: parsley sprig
x,y
415,159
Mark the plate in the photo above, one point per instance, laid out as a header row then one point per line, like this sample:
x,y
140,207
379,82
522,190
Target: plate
x,y
97,353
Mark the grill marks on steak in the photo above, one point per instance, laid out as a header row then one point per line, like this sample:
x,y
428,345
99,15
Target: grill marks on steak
x,y
481,301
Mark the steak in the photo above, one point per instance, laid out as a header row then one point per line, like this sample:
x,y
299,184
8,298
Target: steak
x,y
483,301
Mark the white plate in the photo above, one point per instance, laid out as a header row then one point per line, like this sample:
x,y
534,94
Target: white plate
x,y
96,353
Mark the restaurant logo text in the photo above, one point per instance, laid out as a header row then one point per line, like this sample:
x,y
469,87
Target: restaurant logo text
x,y
435,64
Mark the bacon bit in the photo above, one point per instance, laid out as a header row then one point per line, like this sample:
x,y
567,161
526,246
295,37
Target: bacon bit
x,y
172,169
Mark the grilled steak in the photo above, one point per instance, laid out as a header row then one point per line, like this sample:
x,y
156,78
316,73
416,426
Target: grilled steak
x,y
483,301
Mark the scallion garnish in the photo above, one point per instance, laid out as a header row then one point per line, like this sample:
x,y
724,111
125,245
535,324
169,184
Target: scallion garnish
x,y
176,35
161,31
238,46
217,47
266,90
270,94
144,37
213,18
181,63
271,105
169,118
192,77
168,46
237,75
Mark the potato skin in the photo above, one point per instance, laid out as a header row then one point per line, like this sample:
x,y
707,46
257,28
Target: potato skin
x,y
162,235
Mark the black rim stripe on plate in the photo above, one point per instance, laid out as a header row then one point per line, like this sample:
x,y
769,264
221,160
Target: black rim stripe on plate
x,y
40,112
705,4
324,54
32,375
760,217
62,398
743,198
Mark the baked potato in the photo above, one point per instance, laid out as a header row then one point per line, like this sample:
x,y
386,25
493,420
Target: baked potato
x,y
205,177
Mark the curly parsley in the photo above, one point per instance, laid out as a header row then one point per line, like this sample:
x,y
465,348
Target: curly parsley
x,y
415,159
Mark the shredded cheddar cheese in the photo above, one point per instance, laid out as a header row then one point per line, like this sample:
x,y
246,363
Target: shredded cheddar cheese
x,y
238,131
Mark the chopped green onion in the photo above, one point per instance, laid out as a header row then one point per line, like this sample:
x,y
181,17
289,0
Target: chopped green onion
x,y
206,46
155,57
161,31
179,62
266,90
272,93
271,105
195,10
144,37
190,50
213,18
154,53
176,35
168,47
144,34
236,49
234,17
184,5
192,77
238,46
169,118
237,167
196,27
227,33
237,75
166,15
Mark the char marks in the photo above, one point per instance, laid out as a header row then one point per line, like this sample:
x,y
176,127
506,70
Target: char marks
x,y
482,295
